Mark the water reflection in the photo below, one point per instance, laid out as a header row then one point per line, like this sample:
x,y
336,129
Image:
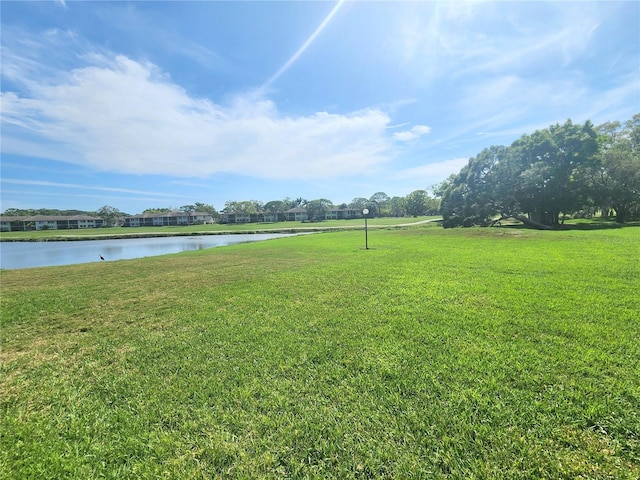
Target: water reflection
x,y
15,255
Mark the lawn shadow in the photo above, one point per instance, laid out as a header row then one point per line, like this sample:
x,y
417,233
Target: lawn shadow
x,y
593,224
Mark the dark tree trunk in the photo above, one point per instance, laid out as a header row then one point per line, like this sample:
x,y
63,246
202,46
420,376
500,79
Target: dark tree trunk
x,y
621,213
531,223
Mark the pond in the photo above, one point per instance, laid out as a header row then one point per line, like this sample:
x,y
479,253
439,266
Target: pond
x,y
17,255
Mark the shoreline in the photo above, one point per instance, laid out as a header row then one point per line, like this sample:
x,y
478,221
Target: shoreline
x,y
122,236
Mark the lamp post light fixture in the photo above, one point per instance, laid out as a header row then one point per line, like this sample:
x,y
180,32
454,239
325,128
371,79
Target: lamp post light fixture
x,y
365,212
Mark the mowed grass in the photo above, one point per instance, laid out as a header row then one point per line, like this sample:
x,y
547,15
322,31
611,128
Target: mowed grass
x,y
477,353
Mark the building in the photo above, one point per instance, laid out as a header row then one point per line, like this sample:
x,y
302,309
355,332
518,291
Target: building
x,y
48,222
167,219
297,214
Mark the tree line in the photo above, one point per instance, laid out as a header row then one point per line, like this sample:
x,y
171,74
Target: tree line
x,y
543,177
417,203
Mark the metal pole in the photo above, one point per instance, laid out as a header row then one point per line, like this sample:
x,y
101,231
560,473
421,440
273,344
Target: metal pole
x,y
365,212
366,234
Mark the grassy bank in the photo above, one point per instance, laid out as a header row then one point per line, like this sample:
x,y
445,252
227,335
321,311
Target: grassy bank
x,y
269,227
478,353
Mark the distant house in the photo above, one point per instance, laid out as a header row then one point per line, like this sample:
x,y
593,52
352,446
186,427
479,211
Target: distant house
x,y
236,217
343,213
48,222
167,219
297,214
12,224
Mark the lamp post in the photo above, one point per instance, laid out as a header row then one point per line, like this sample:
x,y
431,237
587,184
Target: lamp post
x,y
365,212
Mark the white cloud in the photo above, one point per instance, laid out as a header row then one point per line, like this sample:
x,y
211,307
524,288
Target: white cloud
x,y
414,133
120,115
464,41
44,183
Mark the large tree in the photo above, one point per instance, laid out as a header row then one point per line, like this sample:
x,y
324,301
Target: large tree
x,y
476,194
548,161
614,181
535,179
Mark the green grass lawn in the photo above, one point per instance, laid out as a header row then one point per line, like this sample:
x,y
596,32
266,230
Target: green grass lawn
x,y
478,353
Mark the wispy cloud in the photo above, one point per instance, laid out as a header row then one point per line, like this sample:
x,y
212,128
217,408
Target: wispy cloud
x,y
47,194
45,183
116,114
516,64
462,38
414,133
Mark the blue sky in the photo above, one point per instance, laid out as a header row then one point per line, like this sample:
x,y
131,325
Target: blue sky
x,y
141,105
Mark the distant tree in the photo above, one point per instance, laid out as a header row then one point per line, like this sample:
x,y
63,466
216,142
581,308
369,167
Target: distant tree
x,y
231,206
359,203
73,212
48,211
316,209
206,208
258,206
157,210
109,215
293,203
275,207
378,203
246,207
16,212
416,203
398,206
288,203
188,209
433,205
235,206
